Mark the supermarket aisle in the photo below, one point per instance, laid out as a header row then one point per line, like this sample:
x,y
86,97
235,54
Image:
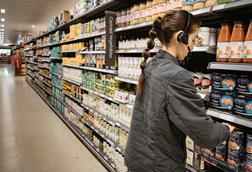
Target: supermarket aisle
x,y
32,137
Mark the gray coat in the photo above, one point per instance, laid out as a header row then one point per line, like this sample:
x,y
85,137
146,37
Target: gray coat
x,y
168,110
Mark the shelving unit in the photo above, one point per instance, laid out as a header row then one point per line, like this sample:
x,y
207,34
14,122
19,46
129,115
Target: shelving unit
x,y
210,14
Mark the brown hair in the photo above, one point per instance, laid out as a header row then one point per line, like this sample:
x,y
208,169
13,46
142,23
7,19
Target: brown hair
x,y
163,29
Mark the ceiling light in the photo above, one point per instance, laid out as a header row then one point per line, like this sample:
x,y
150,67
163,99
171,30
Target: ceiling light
x,y
2,10
33,26
2,29
3,19
2,25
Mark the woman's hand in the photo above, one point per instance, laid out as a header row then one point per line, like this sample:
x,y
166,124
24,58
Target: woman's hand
x,y
231,127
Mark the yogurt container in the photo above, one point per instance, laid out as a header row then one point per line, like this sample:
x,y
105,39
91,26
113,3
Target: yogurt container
x,y
224,81
243,105
222,99
244,84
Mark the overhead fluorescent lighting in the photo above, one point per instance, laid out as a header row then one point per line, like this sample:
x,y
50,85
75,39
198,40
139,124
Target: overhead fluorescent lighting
x,y
33,26
2,25
2,10
3,19
2,29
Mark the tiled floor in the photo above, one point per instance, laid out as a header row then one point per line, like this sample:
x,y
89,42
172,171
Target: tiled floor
x,y
32,137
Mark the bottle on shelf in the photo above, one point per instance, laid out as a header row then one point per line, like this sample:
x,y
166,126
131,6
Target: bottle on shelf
x,y
223,43
247,52
237,43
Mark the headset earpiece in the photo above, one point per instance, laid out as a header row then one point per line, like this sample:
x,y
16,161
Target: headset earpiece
x,y
182,38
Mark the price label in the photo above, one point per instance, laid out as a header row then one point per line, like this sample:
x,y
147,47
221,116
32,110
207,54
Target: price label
x,y
105,158
97,150
118,124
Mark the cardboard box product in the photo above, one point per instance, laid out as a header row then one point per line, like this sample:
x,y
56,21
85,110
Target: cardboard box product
x,y
64,17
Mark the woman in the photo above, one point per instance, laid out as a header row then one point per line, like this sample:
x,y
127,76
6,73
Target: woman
x,y
167,107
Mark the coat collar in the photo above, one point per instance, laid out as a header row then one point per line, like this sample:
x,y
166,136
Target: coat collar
x,y
164,54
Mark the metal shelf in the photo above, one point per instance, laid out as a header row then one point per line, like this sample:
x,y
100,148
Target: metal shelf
x,y
43,67
103,158
203,11
230,117
207,49
73,82
48,85
73,98
73,110
232,5
45,75
124,127
106,138
101,95
32,62
72,66
109,71
28,55
92,52
43,89
134,51
86,36
70,51
30,75
137,26
131,81
94,111
246,67
29,68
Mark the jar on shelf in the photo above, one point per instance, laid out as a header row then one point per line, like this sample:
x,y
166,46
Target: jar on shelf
x,y
247,52
237,43
243,105
223,48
